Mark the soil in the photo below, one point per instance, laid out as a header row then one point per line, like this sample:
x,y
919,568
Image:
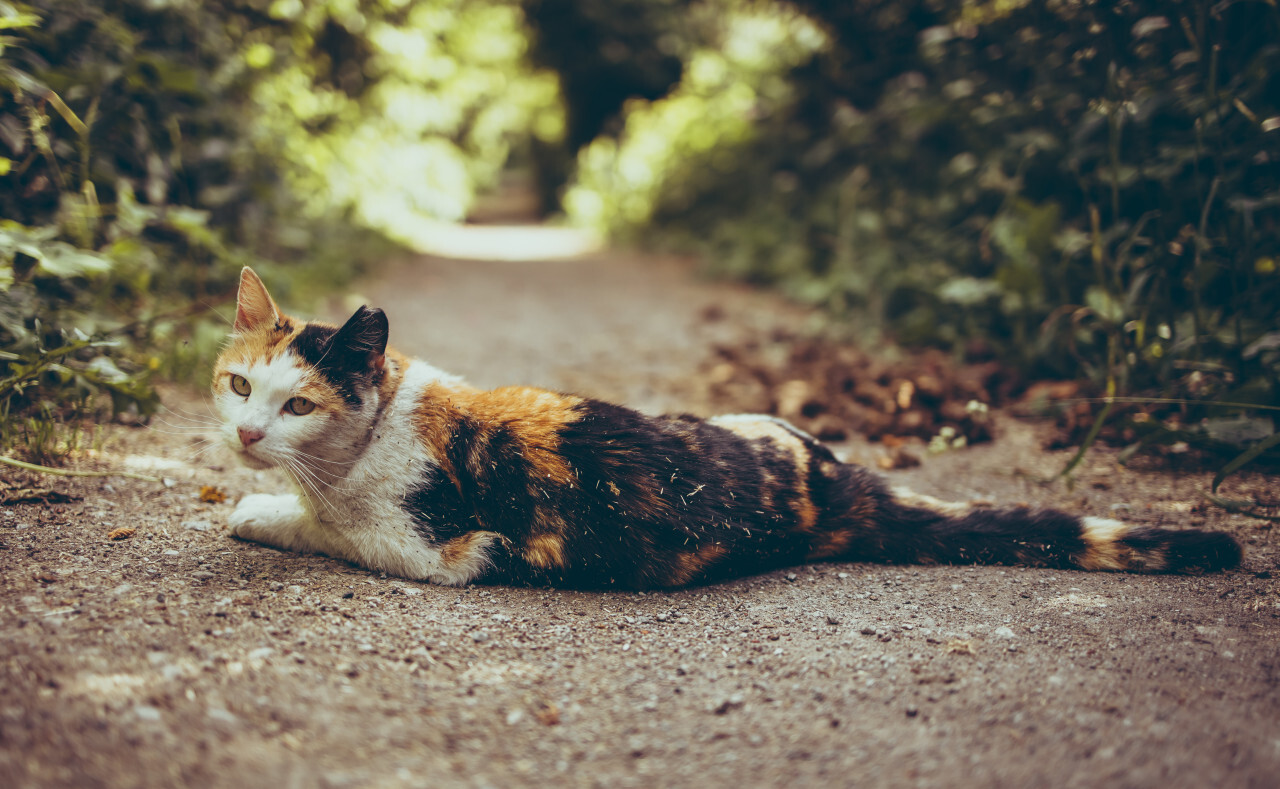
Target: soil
x,y
174,655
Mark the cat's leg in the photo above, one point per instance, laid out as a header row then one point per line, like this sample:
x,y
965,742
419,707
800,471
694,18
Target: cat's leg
x,y
280,521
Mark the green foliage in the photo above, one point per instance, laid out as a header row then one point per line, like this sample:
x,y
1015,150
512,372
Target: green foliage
x,y
1079,188
149,150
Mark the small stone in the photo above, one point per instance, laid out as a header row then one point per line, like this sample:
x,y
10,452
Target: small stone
x,y
197,524
348,595
832,620
276,586
201,575
172,552
1003,632
791,577
732,703
146,713
260,653
480,636
868,631
515,716
222,717
912,712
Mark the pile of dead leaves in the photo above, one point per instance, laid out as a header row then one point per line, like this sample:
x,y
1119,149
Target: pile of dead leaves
x,y
834,391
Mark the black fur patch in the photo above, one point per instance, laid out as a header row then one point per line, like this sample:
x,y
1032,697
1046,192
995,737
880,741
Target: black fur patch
x,y
344,356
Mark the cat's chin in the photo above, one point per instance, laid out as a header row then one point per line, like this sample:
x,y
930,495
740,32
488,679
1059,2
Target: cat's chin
x,y
254,462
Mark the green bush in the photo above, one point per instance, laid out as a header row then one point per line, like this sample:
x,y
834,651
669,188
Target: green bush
x,y
149,150
1079,188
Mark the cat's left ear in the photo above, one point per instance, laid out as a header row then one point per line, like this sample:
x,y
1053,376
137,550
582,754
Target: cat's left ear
x,y
362,340
254,307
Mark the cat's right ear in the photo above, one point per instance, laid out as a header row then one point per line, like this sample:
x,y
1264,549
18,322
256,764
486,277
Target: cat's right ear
x,y
254,307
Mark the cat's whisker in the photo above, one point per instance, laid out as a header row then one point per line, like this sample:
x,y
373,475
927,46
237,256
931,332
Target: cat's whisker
x,y
182,429
218,312
209,414
302,477
311,473
327,461
204,450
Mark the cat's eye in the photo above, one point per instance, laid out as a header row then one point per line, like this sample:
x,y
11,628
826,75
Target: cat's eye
x,y
240,385
299,406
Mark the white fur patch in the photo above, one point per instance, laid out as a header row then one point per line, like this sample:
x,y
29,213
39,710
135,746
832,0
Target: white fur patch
x,y
909,497
730,420
272,384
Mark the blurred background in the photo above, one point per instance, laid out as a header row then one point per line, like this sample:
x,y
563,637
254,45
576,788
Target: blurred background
x,y
1075,189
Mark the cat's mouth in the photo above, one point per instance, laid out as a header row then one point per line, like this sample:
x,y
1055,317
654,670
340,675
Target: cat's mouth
x,y
253,461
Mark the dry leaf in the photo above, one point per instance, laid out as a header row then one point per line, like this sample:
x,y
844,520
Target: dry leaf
x,y
958,646
123,533
548,714
211,495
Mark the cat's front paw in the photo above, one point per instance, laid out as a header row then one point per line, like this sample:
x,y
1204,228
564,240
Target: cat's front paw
x,y
258,515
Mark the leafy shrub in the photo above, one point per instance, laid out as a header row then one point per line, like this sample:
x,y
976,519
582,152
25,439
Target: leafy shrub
x,y
149,150
1079,188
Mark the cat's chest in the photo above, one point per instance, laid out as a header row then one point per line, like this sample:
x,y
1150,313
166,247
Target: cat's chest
x,y
395,459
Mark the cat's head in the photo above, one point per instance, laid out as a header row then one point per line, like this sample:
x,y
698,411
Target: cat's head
x,y
290,391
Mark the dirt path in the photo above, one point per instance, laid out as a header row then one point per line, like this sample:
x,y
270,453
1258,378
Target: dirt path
x,y
180,657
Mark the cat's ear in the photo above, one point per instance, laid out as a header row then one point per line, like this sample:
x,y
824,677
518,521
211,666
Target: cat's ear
x,y
362,340
254,307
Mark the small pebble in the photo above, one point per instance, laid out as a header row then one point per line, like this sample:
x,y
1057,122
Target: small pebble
x,y
732,703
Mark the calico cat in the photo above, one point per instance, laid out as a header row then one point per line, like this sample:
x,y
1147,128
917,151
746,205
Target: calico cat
x,y
405,469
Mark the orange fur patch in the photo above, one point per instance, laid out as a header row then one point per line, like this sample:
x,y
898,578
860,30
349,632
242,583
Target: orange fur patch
x,y
830,544
690,565
534,418
544,551
465,550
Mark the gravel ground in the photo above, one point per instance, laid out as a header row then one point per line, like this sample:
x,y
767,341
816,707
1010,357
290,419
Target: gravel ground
x,y
181,657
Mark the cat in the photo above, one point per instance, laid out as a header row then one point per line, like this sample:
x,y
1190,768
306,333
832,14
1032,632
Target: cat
x,y
405,469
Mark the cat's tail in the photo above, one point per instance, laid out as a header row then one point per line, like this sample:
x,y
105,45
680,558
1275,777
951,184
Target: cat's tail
x,y
919,529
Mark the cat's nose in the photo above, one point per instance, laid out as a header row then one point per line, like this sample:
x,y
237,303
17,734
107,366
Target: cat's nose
x,y
248,437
